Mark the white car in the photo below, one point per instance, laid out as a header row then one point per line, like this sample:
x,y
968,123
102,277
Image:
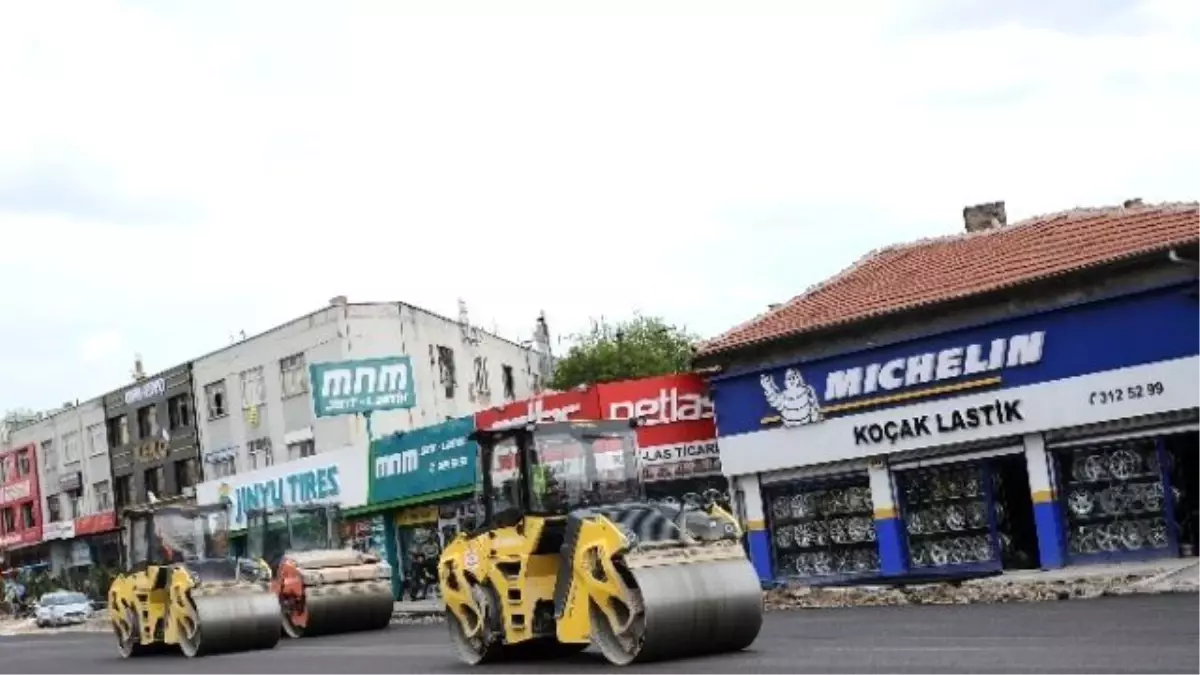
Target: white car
x,y
63,608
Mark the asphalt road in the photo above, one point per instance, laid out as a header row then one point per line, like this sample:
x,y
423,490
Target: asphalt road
x,y
1150,634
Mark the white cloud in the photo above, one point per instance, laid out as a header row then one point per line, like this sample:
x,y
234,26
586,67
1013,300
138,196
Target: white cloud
x,y
255,159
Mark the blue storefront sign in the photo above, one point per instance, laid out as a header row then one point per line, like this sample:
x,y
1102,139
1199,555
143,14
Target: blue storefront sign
x,y
423,461
1106,335
363,386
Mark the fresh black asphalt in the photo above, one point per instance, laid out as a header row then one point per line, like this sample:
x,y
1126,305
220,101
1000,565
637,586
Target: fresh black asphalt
x,y
1142,634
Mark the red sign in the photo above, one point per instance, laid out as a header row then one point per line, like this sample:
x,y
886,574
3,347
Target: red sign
x,y
677,427
26,537
19,494
558,407
97,522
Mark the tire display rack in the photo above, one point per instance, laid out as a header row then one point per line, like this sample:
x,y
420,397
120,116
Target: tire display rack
x,y
822,530
1117,501
952,519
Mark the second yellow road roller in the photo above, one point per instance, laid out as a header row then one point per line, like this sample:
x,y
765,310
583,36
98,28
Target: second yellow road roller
x,y
569,553
181,587
323,585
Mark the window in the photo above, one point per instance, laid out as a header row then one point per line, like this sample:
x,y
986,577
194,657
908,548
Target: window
x,y
71,447
48,450
147,421
74,505
24,468
482,387
154,482
27,515
187,473
260,453
226,466
301,449
445,362
218,405
118,431
96,441
53,510
510,384
10,519
103,493
124,492
179,411
293,378
252,387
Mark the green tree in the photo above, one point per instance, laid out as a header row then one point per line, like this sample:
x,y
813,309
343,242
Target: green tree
x,y
638,347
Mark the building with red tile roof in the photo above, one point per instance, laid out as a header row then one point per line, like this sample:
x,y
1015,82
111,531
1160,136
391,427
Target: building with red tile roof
x,y
985,259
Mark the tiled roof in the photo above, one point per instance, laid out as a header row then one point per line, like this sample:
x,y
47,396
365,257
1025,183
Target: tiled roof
x,y
904,277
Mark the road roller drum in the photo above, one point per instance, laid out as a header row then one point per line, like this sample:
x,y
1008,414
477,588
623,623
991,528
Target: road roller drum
x,y
218,618
322,587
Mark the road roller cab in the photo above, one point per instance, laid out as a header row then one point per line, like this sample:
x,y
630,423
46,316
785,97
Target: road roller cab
x,y
181,587
323,585
569,553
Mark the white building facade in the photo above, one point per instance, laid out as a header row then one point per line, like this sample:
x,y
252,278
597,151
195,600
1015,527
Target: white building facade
x,y
257,407
76,501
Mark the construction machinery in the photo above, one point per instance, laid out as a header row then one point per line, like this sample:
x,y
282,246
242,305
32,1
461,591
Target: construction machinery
x,y
323,585
569,553
181,587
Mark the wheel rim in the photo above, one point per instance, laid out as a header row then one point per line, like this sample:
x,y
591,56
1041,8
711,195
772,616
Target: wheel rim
x,y
289,626
471,650
125,635
189,636
620,649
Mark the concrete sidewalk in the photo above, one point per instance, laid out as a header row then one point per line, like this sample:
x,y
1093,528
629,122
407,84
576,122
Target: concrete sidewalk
x,y
433,606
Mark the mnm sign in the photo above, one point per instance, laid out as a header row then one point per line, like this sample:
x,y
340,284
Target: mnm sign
x,y
422,461
363,386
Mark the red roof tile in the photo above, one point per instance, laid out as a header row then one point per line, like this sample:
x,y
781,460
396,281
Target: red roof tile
x,y
904,277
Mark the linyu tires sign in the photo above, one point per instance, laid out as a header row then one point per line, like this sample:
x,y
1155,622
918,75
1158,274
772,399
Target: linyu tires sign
x,y
363,386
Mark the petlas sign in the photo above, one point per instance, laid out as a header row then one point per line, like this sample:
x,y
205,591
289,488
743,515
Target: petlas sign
x,y
1039,348
337,477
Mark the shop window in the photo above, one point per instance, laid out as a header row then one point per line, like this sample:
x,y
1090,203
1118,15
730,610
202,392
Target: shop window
x,y
53,512
1183,453
948,515
1116,500
179,411
27,520
823,528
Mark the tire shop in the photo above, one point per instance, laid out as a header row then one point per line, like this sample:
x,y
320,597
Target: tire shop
x,y
422,485
961,413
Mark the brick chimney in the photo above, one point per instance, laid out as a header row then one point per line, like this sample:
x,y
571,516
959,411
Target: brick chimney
x,y
984,216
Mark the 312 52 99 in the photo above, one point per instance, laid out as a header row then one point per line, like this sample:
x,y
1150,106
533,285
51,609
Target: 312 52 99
x,y
1131,393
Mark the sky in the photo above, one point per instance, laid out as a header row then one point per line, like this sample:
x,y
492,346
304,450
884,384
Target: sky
x,y
175,172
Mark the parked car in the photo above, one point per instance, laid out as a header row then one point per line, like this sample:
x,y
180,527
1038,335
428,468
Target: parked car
x,y
62,608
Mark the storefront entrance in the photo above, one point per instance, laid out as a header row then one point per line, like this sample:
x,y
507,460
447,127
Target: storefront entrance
x,y
969,516
1184,452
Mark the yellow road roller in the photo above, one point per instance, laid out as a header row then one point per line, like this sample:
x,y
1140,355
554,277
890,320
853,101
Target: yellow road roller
x,y
181,587
569,553
323,585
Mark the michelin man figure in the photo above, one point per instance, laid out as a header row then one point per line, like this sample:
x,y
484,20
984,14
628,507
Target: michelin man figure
x,y
797,403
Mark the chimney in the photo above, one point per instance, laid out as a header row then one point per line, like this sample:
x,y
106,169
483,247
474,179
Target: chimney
x,y
338,301
774,306
984,216
1133,203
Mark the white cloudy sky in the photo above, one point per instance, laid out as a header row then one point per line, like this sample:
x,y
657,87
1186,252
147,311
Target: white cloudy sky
x,y
172,172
